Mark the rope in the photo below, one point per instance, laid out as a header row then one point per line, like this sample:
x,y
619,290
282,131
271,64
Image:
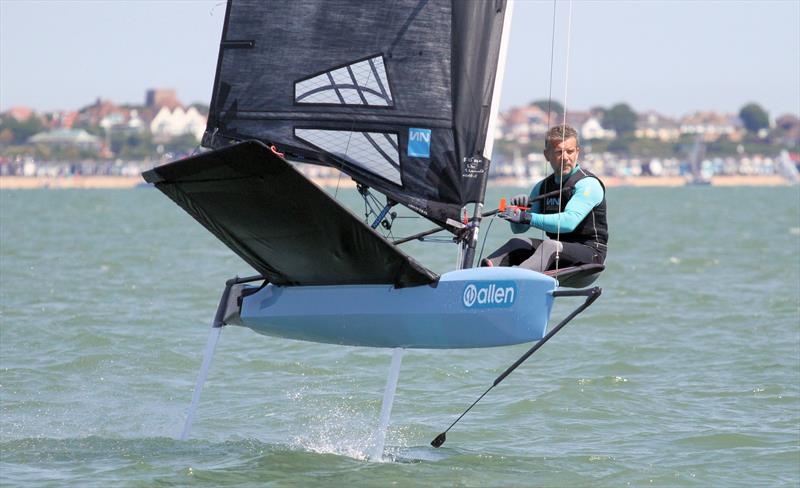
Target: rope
x,y
485,236
563,128
549,108
552,56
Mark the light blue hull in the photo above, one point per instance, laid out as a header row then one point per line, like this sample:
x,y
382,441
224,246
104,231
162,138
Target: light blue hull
x,y
477,307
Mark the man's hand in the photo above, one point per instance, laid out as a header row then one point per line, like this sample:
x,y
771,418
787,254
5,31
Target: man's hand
x,y
515,215
521,200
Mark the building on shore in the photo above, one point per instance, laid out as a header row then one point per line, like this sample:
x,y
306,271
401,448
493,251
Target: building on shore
x,y
169,123
156,98
653,125
67,138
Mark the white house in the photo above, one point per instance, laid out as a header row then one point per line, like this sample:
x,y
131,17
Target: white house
x,y
652,125
173,123
593,129
712,125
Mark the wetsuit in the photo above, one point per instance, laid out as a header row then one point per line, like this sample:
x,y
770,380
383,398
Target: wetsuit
x,y
576,225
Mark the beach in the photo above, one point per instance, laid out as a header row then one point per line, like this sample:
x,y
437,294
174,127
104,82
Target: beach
x,y
35,182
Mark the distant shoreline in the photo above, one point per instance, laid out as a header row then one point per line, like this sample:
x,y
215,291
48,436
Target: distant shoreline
x,y
99,182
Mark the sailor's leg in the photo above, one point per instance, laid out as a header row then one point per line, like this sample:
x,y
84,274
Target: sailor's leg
x,y
575,253
386,406
512,253
211,345
544,256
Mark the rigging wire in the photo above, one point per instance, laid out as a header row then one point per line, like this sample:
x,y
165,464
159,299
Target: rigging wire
x,y
371,204
563,122
485,235
552,57
563,129
549,113
388,16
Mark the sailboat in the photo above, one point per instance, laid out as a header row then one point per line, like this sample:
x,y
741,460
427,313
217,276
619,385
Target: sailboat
x,y
402,97
699,175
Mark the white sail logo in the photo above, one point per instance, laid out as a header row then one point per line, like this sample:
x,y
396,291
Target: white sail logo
x,y
420,136
490,295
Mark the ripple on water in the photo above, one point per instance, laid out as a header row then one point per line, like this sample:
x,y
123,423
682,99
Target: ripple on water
x,y
684,373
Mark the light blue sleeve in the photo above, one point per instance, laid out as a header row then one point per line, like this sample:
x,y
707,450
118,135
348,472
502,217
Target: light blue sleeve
x,y
520,228
588,194
537,205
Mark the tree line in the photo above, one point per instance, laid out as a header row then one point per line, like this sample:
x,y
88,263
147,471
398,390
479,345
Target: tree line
x,y
622,119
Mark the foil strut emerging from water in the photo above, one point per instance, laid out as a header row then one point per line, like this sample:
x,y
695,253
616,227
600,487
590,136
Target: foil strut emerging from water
x,y
386,407
211,345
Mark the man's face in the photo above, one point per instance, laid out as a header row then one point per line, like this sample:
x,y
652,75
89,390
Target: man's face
x,y
564,156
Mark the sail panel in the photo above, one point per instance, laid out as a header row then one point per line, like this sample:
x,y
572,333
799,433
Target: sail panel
x,y
372,151
366,67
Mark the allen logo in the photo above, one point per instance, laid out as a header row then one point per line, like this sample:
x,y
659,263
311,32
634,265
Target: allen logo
x,y
490,295
419,143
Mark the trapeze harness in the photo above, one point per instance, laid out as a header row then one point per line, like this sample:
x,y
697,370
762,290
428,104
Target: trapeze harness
x,y
592,231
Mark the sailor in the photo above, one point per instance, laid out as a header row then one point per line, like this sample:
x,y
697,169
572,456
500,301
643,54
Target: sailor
x,y
573,214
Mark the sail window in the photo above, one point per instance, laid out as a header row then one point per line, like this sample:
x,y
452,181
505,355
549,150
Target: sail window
x,y
376,152
363,82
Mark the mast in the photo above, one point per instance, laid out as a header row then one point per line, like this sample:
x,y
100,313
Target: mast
x,y
471,242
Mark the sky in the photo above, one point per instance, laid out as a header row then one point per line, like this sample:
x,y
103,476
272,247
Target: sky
x,y
674,57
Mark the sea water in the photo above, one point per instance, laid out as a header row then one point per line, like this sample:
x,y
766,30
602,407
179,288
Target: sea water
x,y
686,371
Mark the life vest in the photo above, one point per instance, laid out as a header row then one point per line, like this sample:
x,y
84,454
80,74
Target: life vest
x,y
593,229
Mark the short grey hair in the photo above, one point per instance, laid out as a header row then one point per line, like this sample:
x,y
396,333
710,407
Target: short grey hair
x,y
558,134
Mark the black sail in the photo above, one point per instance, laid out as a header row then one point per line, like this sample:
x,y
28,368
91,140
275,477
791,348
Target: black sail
x,y
396,94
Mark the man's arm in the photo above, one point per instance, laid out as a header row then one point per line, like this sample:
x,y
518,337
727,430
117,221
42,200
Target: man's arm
x,y
588,194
